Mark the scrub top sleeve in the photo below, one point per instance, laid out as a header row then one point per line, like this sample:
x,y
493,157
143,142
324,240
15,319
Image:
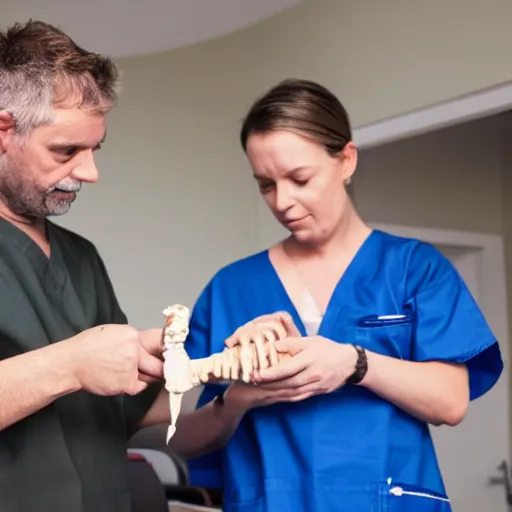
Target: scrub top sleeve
x,y
204,471
449,325
197,343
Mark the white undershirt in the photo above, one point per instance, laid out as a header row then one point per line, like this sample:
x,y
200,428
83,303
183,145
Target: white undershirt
x,y
310,314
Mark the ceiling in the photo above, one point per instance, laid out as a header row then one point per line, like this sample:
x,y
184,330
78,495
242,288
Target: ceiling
x,y
110,27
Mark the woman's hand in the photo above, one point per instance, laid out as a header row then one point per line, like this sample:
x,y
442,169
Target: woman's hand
x,y
318,366
243,397
281,322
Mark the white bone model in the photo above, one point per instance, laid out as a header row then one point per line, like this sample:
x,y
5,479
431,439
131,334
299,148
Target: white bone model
x,y
253,347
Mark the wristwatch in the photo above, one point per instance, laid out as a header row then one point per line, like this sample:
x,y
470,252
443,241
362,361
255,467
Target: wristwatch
x,y
361,366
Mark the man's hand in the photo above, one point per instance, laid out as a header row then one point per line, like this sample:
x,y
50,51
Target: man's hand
x,y
318,366
110,360
151,367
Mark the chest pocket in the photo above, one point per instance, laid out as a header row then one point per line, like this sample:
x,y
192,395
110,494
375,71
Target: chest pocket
x,y
390,335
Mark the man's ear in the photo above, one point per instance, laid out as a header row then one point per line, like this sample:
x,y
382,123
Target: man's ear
x,y
7,125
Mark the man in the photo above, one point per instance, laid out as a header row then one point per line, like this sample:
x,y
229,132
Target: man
x,y
75,380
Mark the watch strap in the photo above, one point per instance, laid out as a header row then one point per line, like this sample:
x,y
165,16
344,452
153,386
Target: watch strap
x,y
361,366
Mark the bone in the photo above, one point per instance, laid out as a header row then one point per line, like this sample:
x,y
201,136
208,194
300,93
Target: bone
x,y
177,374
250,347
237,363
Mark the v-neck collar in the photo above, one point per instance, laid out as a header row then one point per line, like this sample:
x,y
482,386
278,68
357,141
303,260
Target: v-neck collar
x,y
44,264
342,290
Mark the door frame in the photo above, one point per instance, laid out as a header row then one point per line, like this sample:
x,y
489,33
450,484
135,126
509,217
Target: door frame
x,y
491,247
479,104
494,284
493,290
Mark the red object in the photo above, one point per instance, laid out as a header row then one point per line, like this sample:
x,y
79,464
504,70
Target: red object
x,y
137,457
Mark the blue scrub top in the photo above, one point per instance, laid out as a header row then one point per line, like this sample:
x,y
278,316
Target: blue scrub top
x,y
350,449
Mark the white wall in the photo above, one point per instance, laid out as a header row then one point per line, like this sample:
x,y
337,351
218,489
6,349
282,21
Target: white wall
x,y
176,200
172,150
456,178
382,58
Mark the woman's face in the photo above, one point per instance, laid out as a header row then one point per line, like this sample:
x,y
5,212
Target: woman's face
x,y
301,183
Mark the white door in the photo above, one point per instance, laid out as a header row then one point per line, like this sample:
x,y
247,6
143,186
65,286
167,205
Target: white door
x,y
470,453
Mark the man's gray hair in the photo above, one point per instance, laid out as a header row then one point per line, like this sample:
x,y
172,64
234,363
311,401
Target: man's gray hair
x,y
42,68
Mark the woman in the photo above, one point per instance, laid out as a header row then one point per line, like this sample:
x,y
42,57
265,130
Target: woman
x,y
391,339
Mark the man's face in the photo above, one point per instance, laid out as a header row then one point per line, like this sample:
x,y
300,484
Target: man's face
x,y
42,172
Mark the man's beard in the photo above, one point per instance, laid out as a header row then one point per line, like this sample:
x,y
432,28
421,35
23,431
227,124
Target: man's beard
x,y
21,194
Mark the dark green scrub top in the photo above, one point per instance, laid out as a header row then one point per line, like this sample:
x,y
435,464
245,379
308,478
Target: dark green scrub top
x,y
70,456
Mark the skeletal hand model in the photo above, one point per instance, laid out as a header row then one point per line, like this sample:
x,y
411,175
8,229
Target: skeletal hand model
x,y
252,347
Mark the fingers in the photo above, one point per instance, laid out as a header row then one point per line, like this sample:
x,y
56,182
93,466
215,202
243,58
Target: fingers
x,y
285,369
235,363
152,340
137,387
234,339
281,323
259,343
270,346
272,324
292,346
246,357
217,365
292,394
226,367
301,394
206,369
148,378
302,378
272,353
242,339
276,327
261,355
291,329
150,364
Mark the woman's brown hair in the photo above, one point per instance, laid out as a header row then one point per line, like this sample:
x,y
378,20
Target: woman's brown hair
x,y
304,107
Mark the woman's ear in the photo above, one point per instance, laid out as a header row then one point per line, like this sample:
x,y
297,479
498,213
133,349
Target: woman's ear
x,y
348,162
7,124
